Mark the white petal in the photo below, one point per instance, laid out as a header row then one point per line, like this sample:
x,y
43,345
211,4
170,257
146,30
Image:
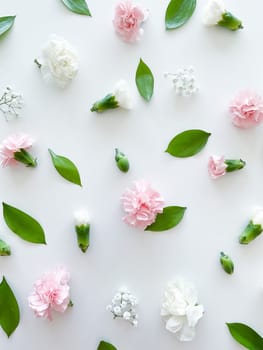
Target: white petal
x,y
194,313
187,333
174,324
213,12
258,218
123,95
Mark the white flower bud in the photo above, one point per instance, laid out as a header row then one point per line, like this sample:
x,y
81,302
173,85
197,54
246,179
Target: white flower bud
x,y
126,315
123,95
258,218
213,12
81,217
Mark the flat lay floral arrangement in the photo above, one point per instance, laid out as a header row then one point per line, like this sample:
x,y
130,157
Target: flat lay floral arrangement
x,y
143,207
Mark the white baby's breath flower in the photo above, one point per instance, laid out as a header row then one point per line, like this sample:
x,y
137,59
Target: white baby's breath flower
x,y
213,12
81,217
181,310
123,96
59,62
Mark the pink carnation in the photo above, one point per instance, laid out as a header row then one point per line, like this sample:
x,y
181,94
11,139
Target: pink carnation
x,y
216,166
128,19
142,204
50,292
247,109
13,143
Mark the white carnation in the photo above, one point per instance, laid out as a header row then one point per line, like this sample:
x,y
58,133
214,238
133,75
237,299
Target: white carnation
x,y
123,94
213,12
81,217
258,218
59,61
181,310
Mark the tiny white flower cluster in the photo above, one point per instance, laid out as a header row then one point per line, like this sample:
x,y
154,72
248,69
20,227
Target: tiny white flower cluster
x,y
184,81
123,305
10,102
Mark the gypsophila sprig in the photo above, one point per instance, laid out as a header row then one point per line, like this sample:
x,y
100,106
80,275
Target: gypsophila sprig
x,y
215,13
123,305
184,81
181,309
120,97
253,229
82,228
11,103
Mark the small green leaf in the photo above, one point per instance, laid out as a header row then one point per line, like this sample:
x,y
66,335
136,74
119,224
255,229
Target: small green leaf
x,y
9,310
245,336
169,218
178,13
6,23
144,80
23,225
188,143
106,346
66,168
77,6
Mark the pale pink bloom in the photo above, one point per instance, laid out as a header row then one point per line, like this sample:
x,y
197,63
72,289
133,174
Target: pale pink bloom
x,y
13,143
128,19
216,166
247,109
51,292
141,204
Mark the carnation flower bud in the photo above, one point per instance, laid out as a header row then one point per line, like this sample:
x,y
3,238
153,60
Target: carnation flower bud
x,y
226,263
253,229
121,161
82,228
4,248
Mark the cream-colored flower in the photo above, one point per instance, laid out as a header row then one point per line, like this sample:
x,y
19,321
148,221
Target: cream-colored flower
x,y
213,12
59,62
181,310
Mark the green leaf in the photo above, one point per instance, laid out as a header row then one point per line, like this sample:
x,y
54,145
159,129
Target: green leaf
x,y
245,336
144,80
6,23
188,143
9,310
169,218
23,225
77,6
106,346
66,168
178,13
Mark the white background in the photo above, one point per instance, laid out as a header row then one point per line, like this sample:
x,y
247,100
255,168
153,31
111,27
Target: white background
x,y
225,62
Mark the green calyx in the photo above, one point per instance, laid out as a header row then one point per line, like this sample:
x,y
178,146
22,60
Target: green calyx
x,y
83,236
230,22
226,263
121,161
108,102
234,164
251,232
4,248
24,157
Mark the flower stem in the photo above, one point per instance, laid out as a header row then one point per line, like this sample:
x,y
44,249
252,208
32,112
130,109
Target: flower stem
x,y
234,164
230,22
83,236
250,233
37,63
24,157
4,248
108,102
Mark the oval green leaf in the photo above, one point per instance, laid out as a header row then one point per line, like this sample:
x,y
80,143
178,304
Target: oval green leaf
x,y
6,23
169,218
77,6
188,143
245,336
178,13
23,225
9,309
106,346
144,80
66,168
